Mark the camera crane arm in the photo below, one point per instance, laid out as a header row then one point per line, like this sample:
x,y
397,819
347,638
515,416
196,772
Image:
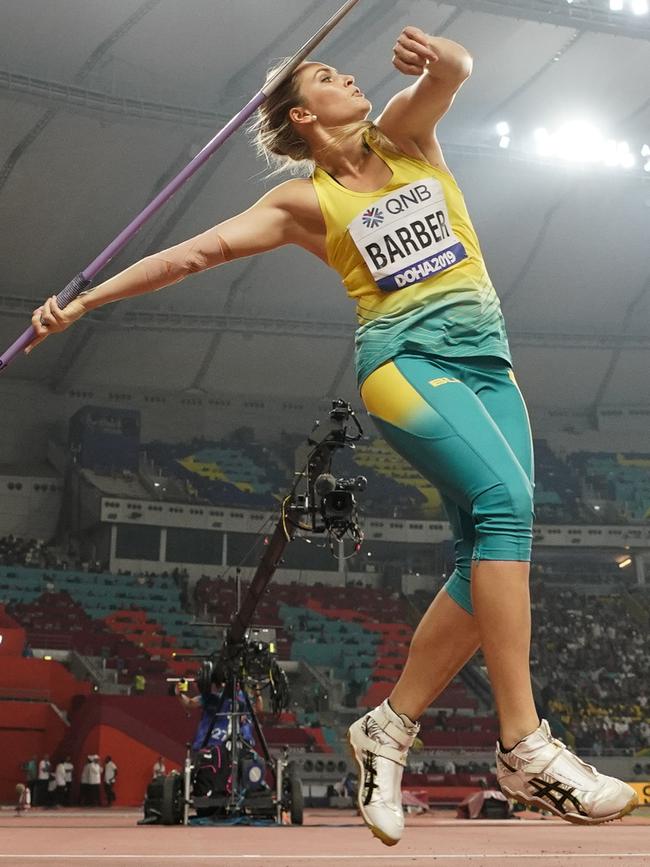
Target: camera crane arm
x,y
317,473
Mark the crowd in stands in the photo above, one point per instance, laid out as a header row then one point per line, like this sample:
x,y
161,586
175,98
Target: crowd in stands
x,y
589,649
30,552
590,654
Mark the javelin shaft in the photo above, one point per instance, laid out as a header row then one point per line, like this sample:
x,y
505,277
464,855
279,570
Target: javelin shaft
x,y
82,280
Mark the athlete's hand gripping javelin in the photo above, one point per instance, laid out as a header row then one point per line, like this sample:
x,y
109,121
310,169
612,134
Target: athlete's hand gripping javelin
x,y
50,319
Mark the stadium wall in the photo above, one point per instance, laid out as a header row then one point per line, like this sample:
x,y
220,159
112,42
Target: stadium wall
x,y
37,698
30,505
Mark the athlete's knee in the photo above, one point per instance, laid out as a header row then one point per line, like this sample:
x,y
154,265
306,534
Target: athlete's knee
x,y
458,586
512,500
463,549
503,516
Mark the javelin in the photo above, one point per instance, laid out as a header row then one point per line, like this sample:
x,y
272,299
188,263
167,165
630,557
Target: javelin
x,y
85,277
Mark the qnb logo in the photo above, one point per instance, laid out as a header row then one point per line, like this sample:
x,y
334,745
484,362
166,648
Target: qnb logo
x,y
372,218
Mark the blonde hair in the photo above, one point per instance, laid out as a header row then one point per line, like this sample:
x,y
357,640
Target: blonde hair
x,y
277,139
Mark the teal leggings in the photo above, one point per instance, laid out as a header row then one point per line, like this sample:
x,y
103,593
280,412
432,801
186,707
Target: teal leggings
x,y
462,423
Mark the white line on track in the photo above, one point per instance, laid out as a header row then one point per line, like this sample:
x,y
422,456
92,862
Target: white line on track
x,y
393,857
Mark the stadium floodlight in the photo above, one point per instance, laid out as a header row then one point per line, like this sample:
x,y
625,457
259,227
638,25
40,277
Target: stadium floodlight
x,y
616,5
504,142
581,142
640,7
578,141
503,128
626,561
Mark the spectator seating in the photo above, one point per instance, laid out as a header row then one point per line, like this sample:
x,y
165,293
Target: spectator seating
x,y
590,654
56,621
235,473
557,487
131,621
239,472
623,479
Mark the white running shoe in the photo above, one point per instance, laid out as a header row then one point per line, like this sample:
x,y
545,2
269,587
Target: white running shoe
x,y
380,742
540,771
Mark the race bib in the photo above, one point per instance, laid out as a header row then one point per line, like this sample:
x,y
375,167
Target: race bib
x,y
406,236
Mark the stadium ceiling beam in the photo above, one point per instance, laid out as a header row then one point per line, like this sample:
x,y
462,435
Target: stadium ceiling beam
x,y
93,59
83,100
198,322
588,16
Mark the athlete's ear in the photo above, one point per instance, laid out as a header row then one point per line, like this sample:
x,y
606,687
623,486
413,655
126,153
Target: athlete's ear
x,y
301,115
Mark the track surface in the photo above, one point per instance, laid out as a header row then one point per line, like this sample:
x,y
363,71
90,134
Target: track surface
x,y
101,838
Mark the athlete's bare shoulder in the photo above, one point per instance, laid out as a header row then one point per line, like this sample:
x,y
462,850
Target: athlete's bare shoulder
x,y
298,198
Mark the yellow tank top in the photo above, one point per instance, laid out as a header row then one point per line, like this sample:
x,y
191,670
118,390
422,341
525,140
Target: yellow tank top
x,y
409,256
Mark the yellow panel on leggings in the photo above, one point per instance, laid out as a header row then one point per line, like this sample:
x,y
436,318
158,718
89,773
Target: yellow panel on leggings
x,y
409,256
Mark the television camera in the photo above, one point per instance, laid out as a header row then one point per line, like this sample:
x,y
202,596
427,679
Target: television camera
x,y
244,780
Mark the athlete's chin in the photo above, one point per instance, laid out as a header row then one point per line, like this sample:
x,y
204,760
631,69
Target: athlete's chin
x,y
363,109
367,105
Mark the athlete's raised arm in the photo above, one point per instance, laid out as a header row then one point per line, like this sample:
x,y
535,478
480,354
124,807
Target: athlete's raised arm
x,y
271,222
411,115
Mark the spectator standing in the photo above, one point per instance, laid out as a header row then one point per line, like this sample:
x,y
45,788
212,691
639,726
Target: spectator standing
x,y
94,781
139,682
110,775
59,780
24,798
30,768
84,792
159,769
69,769
51,791
42,781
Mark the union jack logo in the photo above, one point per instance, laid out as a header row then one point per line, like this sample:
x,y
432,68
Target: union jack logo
x,y
372,218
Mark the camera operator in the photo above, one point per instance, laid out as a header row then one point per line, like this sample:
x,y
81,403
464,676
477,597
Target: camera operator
x,y
214,727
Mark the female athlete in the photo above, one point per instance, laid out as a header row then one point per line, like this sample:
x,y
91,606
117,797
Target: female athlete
x,y
381,207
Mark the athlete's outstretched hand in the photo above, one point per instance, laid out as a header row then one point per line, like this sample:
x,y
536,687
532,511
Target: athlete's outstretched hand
x,y
412,51
50,319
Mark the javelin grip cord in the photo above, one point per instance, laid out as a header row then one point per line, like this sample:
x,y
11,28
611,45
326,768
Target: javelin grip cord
x,y
85,278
